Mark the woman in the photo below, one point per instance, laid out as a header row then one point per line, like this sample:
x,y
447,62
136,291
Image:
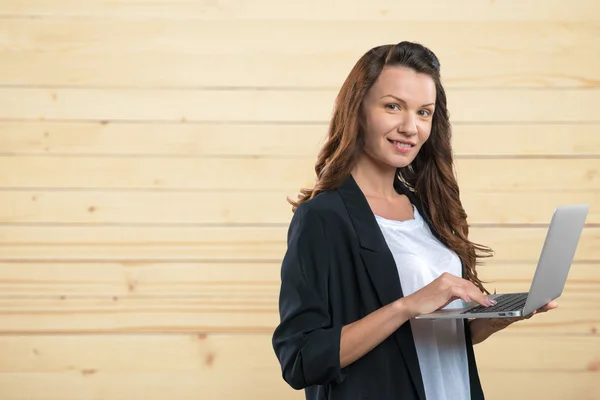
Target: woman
x,y
380,239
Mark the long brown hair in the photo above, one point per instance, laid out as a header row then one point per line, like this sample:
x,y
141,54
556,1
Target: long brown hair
x,y
431,174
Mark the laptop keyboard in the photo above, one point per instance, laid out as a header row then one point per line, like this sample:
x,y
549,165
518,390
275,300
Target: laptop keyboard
x,y
505,302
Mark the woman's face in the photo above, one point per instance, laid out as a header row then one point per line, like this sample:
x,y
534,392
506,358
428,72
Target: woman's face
x,y
398,112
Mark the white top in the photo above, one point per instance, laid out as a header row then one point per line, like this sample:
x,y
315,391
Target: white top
x,y
420,258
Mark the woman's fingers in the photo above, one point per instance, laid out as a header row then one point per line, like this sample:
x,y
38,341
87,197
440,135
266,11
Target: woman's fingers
x,y
464,290
458,291
483,299
474,293
550,306
471,294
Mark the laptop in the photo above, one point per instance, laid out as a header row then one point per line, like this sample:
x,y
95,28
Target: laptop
x,y
550,275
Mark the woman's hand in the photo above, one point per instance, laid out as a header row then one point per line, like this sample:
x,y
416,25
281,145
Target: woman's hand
x,y
502,323
483,328
441,292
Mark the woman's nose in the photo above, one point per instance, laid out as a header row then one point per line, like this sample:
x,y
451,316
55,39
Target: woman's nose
x,y
408,125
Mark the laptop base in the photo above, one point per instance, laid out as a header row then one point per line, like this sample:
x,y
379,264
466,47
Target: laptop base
x,y
500,310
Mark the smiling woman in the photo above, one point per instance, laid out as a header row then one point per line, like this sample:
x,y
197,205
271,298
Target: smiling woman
x,y
381,238
406,124
397,92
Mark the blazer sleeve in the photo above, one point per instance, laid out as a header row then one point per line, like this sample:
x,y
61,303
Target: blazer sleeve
x,y
306,342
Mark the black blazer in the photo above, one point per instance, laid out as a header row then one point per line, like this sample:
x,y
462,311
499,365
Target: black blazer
x,y
336,270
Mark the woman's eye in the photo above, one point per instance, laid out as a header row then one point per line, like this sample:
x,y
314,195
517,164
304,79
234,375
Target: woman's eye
x,y
394,107
425,113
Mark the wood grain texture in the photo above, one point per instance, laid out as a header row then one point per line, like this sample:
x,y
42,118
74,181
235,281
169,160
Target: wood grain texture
x,y
206,353
81,315
112,53
551,385
329,10
235,208
164,36
130,243
142,366
578,315
280,106
145,279
281,175
282,140
182,385
471,68
260,385
150,279
251,243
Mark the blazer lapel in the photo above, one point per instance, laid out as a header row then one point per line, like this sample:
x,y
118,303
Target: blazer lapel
x,y
381,268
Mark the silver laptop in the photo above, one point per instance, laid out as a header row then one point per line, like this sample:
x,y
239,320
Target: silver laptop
x,y
550,275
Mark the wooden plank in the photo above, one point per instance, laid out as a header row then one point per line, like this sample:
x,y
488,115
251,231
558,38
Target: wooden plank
x,y
256,243
185,140
535,175
176,366
164,36
270,70
330,10
101,52
182,385
540,385
523,208
259,384
154,208
281,175
506,278
214,140
217,280
145,279
166,315
537,353
256,174
190,353
576,314
279,106
163,353
159,208
134,243
129,243
525,244
466,69
525,140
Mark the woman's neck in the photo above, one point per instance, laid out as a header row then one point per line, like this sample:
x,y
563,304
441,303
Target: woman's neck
x,y
375,179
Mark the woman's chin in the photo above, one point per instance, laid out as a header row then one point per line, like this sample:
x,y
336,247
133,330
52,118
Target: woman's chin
x,y
389,161
396,163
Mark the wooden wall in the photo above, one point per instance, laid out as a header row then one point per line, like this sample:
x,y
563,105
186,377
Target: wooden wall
x,y
146,150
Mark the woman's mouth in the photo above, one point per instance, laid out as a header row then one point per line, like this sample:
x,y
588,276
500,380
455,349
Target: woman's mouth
x,y
401,146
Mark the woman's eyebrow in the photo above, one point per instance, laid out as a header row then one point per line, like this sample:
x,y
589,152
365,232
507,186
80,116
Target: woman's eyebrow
x,y
402,101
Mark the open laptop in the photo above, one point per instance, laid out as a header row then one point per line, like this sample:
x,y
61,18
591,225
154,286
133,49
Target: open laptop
x,y
550,275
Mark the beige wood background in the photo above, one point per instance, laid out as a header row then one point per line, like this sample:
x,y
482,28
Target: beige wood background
x,y
146,150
